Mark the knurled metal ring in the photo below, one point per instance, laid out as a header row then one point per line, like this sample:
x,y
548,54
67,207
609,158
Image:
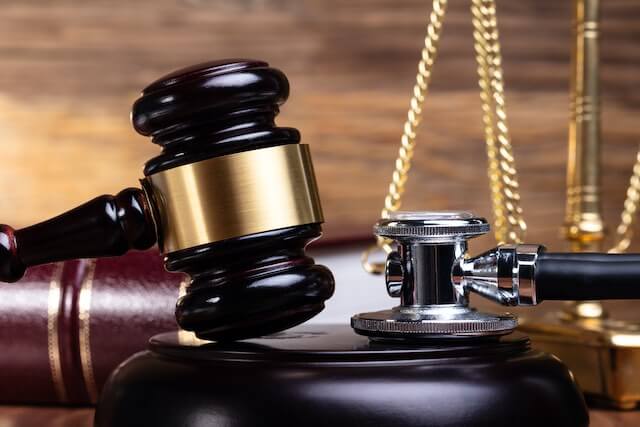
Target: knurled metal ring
x,y
409,323
431,226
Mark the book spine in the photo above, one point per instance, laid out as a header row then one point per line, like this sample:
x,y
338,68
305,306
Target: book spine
x,y
66,326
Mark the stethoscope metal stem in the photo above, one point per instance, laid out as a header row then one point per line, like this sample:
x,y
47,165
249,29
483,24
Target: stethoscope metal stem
x,y
420,273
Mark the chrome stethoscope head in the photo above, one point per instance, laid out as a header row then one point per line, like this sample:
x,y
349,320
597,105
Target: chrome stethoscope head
x,y
430,249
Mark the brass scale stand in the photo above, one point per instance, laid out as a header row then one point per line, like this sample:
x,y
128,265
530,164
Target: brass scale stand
x,y
604,354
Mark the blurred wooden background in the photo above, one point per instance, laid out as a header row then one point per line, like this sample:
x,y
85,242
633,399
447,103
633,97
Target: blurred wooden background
x,y
70,69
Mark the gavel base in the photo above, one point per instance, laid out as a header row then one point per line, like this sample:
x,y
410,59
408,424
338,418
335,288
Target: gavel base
x,y
329,376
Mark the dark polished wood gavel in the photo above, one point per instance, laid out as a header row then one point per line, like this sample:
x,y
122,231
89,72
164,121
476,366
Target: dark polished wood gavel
x,y
231,200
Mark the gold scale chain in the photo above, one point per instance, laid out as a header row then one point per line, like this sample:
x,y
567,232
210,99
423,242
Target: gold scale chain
x,y
624,231
509,224
393,201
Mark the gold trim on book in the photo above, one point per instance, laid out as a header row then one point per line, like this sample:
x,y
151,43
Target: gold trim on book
x,y
84,316
53,343
234,195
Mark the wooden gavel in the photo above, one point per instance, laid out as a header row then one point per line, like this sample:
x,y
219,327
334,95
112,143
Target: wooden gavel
x,y
231,200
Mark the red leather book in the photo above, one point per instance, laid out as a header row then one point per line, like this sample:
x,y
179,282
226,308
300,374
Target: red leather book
x,y
66,326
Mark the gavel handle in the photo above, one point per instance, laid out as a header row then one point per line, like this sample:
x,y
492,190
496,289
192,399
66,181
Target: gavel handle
x,y
105,226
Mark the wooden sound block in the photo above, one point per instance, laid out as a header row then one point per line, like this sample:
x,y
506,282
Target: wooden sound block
x,y
329,376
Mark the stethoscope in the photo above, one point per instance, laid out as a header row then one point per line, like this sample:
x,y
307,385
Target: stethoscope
x,y
433,275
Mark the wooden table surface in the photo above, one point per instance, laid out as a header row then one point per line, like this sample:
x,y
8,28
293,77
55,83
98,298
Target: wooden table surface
x,y
22,416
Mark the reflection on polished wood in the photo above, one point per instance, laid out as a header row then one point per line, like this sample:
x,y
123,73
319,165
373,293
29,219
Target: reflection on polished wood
x,y
24,416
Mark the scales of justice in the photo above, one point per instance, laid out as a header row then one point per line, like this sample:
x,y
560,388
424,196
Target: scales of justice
x,y
232,201
603,353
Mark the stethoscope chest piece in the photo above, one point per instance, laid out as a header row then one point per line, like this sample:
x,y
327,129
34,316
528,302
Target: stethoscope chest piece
x,y
420,272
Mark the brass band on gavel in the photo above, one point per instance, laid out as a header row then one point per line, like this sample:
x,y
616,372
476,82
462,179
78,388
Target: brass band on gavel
x,y
234,195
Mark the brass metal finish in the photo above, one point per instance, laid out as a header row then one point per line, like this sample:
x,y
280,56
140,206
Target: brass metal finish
x,y
234,195
84,330
53,340
509,224
624,231
584,227
604,355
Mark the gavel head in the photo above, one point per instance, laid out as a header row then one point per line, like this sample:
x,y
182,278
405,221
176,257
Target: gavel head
x,y
234,199
231,200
